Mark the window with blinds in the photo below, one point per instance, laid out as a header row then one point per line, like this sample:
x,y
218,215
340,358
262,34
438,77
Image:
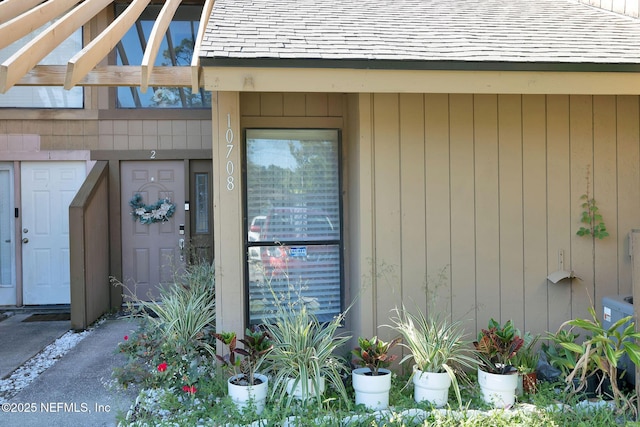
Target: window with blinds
x,y
293,221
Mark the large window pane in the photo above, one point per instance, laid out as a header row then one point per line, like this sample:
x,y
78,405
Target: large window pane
x,y
176,50
294,235
44,96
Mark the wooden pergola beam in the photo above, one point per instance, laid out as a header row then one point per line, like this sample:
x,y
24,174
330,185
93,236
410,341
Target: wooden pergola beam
x,y
9,9
23,24
155,39
109,76
84,61
16,66
195,59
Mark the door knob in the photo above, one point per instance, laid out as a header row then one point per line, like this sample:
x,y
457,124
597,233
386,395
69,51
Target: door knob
x,y
25,240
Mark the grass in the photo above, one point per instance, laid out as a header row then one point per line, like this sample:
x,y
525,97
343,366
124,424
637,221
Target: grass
x,y
210,407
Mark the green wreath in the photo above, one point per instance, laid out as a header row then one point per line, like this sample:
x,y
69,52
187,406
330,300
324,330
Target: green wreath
x,y
161,211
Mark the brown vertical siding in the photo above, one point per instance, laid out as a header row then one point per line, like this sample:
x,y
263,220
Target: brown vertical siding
x,y
489,187
628,180
534,211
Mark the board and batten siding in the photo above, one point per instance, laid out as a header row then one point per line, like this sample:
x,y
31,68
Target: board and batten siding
x,y
486,188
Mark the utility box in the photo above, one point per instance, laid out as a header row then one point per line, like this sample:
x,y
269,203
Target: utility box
x,y
614,308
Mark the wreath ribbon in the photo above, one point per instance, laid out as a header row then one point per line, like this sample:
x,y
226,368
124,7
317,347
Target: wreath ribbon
x,y
160,211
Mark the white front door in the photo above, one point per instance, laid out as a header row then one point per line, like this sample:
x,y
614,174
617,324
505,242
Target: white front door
x,y
47,191
7,238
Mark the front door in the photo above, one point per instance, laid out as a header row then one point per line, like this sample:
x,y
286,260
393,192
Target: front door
x,y
47,191
7,239
153,248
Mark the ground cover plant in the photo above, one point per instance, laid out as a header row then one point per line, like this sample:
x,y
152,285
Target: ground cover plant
x,y
172,357
551,406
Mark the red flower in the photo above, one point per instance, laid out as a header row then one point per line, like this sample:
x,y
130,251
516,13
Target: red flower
x,y
126,337
162,367
189,389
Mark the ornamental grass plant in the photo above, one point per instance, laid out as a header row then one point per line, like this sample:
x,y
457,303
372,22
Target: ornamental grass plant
x,y
304,351
174,331
435,345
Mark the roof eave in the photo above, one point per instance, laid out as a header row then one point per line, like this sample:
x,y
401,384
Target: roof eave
x,y
561,80
440,65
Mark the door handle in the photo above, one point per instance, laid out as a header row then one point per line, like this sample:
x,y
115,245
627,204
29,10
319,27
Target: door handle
x,y
25,240
8,241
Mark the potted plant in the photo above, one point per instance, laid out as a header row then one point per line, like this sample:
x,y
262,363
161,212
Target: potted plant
x,y
372,381
558,355
526,362
497,346
438,350
600,353
245,384
303,359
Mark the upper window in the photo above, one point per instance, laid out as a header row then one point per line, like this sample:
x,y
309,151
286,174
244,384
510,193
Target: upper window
x,y
293,222
44,96
176,50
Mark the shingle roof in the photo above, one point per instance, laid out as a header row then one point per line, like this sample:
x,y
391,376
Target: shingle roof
x,y
252,32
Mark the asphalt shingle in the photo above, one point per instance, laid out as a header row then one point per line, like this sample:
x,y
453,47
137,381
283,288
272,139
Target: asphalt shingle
x,y
556,31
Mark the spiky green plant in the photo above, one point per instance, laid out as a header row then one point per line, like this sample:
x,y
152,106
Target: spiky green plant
x,y
304,350
183,316
435,344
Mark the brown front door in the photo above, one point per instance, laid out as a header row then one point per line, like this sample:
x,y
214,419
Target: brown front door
x,y
152,243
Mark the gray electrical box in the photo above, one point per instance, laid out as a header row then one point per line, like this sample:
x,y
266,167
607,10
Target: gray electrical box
x,y
614,308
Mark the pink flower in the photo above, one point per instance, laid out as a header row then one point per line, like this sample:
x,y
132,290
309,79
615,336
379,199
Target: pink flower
x,y
126,337
189,389
162,367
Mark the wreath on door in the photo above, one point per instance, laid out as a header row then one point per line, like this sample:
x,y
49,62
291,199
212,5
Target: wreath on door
x,y
160,211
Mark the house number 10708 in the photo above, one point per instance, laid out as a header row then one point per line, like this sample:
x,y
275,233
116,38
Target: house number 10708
x,y
228,136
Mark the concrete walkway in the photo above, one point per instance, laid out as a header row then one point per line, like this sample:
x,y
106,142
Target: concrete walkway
x,y
23,340
78,390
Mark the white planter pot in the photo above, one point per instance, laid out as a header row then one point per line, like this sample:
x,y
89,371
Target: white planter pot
x,y
431,387
241,395
498,390
299,393
372,391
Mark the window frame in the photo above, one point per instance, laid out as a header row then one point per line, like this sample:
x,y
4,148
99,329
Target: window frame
x,y
340,241
185,12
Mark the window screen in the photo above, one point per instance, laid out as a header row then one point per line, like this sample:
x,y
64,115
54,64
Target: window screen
x,y
294,237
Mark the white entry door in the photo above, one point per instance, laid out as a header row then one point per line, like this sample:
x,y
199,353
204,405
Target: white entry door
x,y
7,237
151,250
47,190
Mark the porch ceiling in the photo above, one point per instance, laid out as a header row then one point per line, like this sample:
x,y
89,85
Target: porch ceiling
x,y
19,18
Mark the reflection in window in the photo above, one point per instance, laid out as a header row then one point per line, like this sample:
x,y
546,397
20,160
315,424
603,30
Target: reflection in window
x,y
176,50
202,203
44,96
293,214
